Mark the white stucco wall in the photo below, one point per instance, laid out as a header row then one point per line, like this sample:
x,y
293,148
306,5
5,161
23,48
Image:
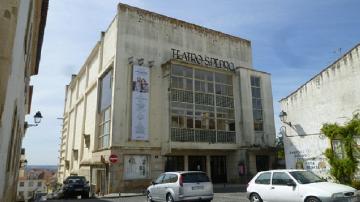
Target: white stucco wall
x,y
14,98
332,96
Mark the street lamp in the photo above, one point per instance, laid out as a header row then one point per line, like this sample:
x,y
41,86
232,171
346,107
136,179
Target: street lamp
x,y
37,117
37,120
283,118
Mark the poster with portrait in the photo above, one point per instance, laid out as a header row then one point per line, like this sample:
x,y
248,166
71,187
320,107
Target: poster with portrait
x,y
307,152
136,167
140,103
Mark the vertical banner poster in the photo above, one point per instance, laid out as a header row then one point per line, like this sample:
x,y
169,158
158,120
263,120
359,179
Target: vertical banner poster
x,y
140,103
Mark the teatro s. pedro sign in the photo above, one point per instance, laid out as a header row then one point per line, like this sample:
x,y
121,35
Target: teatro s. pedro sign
x,y
202,60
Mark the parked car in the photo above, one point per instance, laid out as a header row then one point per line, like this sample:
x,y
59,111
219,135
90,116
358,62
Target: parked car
x,y
181,186
75,186
296,186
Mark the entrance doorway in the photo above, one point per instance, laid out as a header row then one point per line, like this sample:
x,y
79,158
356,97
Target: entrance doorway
x,y
218,169
197,163
262,163
100,182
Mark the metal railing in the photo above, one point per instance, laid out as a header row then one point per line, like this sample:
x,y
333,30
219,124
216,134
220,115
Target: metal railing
x,y
200,135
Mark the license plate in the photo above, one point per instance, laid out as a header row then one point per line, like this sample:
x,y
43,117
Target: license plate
x,y
197,187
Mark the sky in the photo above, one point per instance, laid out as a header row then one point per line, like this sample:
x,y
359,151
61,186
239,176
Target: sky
x,y
292,40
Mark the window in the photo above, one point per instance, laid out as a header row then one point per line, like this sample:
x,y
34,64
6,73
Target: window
x,y
11,148
170,178
263,178
159,180
105,110
305,177
195,177
338,148
174,163
257,103
76,154
201,101
21,184
39,184
281,178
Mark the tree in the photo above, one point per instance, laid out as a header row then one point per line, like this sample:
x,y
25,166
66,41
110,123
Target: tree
x,y
344,152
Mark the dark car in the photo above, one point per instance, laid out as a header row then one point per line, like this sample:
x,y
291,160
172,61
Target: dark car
x,y
75,186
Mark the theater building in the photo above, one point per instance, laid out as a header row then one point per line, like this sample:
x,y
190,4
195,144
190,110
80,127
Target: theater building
x,y
158,94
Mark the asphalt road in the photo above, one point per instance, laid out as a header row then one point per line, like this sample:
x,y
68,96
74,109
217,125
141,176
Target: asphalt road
x,y
218,197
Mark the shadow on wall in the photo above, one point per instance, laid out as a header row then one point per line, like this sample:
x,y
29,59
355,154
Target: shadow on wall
x,y
299,130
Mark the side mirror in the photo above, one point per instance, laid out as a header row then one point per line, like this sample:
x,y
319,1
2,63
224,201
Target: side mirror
x,y
64,182
291,183
87,182
153,183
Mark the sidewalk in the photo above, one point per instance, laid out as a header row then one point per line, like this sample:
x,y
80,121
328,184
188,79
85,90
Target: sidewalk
x,y
117,195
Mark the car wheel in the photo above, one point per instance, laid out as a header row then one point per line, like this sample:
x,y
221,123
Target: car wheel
x,y
169,198
255,198
148,197
312,199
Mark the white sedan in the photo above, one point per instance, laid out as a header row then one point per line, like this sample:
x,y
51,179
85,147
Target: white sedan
x,y
296,186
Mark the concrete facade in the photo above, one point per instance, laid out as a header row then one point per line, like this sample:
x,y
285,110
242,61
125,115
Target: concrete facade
x,y
21,29
141,38
332,96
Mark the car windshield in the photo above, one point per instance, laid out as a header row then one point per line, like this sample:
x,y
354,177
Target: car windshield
x,y
306,177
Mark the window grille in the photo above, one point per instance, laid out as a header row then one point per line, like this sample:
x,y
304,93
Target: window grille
x,y
212,118
182,96
202,98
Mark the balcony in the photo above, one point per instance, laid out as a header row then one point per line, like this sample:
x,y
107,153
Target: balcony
x,y
199,135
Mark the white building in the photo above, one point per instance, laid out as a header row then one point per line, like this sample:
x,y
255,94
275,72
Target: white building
x,y
160,94
22,25
27,188
332,96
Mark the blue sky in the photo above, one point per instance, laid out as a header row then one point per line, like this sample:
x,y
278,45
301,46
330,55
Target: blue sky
x,y
292,40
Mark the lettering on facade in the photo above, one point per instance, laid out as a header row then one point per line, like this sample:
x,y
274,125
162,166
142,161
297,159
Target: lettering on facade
x,y
202,60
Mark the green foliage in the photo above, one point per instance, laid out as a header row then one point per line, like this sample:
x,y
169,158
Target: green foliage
x,y
344,169
355,184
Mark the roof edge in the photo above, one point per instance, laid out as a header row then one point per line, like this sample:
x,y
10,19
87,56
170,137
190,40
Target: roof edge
x,y
326,68
124,7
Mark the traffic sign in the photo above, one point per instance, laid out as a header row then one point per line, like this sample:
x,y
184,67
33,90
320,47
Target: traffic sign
x,y
113,158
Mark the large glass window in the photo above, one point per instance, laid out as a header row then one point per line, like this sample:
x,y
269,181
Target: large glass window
x,y
105,110
257,103
202,101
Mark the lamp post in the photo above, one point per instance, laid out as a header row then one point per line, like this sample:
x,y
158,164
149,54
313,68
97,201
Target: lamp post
x,y
37,120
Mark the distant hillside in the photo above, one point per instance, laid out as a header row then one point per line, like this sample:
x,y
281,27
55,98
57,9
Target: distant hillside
x,y
46,167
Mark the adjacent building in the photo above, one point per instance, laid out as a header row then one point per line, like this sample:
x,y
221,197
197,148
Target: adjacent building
x,y
22,24
331,96
159,94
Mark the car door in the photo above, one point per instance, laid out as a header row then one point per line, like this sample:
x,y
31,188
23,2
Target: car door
x,y
169,182
262,185
155,189
283,188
